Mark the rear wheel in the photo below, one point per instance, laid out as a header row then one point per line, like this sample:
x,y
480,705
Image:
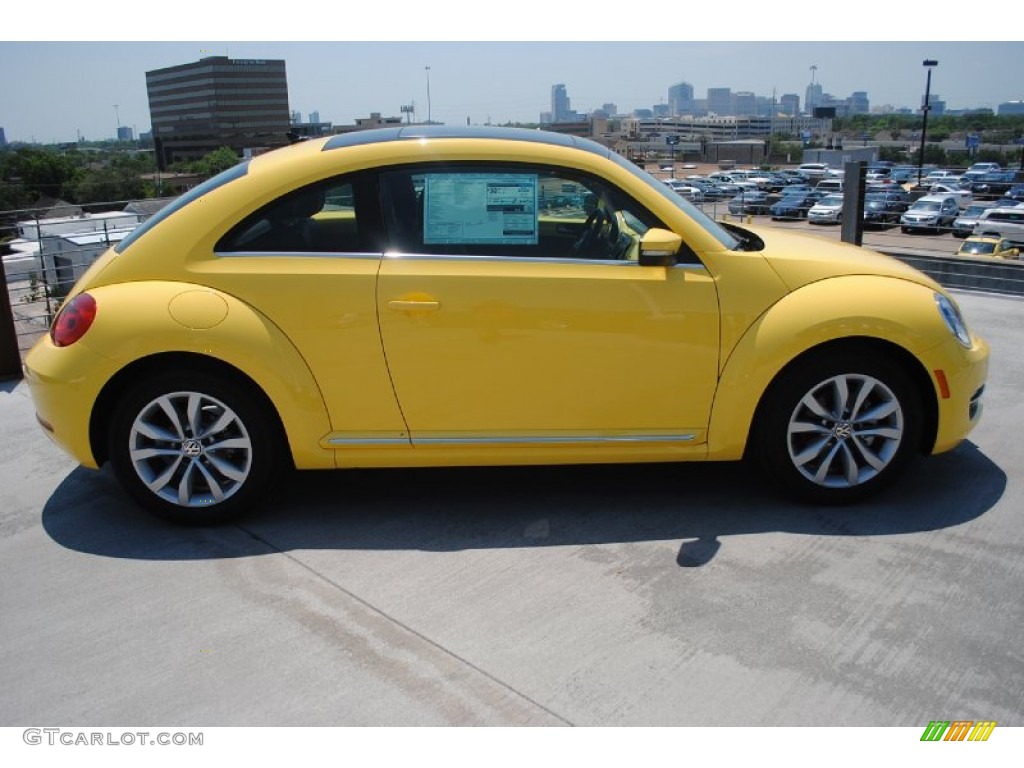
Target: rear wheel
x,y
838,427
194,448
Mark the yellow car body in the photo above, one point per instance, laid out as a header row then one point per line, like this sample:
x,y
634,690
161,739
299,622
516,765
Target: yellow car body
x,y
631,329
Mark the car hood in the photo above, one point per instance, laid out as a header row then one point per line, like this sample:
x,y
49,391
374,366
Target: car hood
x,y
803,259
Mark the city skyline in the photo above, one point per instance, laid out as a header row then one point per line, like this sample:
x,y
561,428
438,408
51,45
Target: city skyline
x,y
66,89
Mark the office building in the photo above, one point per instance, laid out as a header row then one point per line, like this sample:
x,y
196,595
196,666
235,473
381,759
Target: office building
x,y
560,110
217,102
680,99
720,101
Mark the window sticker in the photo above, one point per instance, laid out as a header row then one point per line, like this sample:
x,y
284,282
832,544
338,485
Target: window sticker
x,y
479,208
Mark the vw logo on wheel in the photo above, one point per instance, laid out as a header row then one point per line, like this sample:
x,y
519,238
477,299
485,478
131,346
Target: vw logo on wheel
x,y
192,448
844,429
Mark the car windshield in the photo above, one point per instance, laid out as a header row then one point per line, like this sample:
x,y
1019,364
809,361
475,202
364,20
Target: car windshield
x,y
978,248
832,200
973,210
706,222
926,205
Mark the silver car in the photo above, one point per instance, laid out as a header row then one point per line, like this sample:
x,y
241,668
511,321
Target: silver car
x,y
963,226
932,212
828,210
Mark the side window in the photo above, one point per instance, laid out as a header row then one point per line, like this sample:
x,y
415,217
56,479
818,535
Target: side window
x,y
510,211
335,216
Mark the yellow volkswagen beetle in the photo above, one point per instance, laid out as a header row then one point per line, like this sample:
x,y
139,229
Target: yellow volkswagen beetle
x,y
432,296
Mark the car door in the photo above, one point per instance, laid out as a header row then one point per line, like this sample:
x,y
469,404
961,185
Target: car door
x,y
501,324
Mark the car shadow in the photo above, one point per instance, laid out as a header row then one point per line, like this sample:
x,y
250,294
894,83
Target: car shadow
x,y
495,508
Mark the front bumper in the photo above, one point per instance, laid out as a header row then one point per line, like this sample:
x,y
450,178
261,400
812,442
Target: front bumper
x,y
959,377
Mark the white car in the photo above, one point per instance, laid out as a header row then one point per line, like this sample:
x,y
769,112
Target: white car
x,y
690,192
963,196
828,210
1002,222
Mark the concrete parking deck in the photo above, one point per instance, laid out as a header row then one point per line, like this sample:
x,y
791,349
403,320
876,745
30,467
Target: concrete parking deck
x,y
655,595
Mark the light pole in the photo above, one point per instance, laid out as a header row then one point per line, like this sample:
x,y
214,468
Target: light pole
x,y
428,95
928,64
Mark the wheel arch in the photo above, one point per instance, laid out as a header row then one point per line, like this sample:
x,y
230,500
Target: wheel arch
x,y
872,314
156,364
870,348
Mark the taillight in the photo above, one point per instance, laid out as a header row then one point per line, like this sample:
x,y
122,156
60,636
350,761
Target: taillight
x,y
73,320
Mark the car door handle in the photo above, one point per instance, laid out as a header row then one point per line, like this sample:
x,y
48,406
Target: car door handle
x,y
406,305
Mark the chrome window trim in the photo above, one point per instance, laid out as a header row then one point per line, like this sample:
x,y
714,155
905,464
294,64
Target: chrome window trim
x,y
301,254
524,260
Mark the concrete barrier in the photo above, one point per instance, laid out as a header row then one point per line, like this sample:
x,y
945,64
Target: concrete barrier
x,y
992,275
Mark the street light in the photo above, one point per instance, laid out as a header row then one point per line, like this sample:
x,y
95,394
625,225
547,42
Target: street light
x,y
928,64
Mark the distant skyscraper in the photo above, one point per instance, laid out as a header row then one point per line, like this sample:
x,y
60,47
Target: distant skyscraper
x,y
217,102
789,104
3,139
314,116
744,103
125,133
560,111
296,116
720,101
813,97
859,104
680,99
611,109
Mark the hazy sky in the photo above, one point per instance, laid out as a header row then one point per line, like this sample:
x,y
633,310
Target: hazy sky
x,y
50,90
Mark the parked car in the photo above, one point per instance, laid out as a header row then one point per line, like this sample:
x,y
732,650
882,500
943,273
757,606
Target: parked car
x,y
996,247
828,210
935,213
794,206
690,192
1015,194
963,225
834,186
995,184
963,196
747,202
882,208
1002,222
444,319
814,171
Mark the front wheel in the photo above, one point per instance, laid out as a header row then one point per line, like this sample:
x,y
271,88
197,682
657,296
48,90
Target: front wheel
x,y
193,447
837,428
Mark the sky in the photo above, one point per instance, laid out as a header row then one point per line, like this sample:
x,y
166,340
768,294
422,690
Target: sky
x,y
77,79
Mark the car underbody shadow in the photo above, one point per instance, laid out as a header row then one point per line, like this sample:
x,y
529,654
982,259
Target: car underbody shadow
x,y
444,510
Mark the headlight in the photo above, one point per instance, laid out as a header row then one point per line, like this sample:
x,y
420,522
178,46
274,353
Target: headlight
x,y
954,320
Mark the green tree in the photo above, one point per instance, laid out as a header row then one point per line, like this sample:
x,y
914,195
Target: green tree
x,y
209,164
39,172
119,179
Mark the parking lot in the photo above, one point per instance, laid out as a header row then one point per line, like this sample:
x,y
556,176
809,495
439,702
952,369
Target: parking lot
x,y
622,595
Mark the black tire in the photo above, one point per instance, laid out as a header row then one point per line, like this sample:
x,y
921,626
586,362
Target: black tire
x,y
838,427
194,448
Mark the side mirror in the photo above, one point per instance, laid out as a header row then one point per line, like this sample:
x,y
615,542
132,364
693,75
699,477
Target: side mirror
x,y
659,248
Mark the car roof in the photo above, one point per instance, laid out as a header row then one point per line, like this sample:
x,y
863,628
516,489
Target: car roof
x,y
412,132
